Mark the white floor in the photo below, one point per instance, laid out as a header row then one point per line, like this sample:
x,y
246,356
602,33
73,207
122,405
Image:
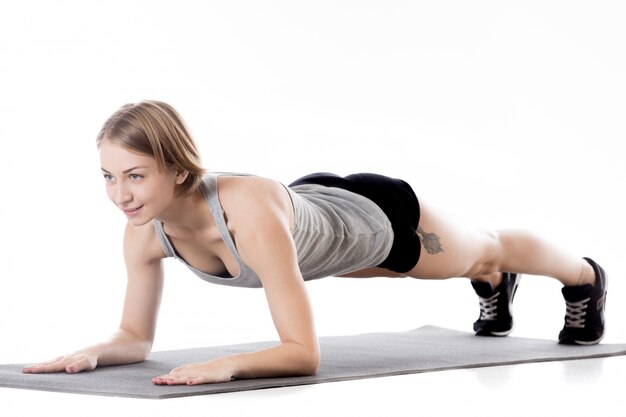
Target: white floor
x,y
507,113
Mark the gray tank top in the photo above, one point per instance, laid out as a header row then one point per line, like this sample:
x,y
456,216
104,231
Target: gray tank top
x,y
335,232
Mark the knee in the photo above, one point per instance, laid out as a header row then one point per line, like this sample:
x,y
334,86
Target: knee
x,y
491,256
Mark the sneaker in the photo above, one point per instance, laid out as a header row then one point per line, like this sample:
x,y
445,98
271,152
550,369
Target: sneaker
x,y
495,306
584,316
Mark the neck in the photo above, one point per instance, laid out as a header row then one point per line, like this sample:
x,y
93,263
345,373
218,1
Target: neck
x,y
187,213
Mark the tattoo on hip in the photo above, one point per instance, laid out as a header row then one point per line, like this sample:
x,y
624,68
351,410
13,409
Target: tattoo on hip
x,y
430,241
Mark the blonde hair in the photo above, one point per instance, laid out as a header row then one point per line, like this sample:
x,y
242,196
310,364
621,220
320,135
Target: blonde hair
x,y
154,128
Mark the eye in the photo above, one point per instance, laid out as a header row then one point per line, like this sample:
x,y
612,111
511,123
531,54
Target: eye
x,y
135,177
108,177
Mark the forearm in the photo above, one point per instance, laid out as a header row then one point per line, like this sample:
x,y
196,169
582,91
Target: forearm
x,y
286,359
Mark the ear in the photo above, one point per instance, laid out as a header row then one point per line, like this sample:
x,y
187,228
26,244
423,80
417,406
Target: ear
x,y
181,176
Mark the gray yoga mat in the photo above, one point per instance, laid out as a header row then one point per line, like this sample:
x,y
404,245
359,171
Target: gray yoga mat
x,y
371,355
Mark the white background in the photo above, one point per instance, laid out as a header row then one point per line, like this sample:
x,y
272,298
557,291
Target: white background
x,y
509,114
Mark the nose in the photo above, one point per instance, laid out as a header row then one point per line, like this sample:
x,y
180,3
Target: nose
x,y
122,195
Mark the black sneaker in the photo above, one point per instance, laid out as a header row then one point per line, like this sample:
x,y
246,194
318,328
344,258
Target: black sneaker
x,y
495,306
584,316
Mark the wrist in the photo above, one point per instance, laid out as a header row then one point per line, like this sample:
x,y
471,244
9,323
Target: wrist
x,y
228,367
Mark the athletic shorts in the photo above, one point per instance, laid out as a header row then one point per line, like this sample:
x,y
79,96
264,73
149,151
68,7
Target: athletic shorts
x,y
396,199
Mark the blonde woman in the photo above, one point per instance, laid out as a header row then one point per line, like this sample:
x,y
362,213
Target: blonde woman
x,y
248,231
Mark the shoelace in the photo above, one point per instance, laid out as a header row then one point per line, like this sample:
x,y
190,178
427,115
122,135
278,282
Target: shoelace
x,y
575,313
489,307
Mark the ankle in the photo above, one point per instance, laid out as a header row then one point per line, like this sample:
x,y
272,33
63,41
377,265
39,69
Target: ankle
x,y
494,279
587,274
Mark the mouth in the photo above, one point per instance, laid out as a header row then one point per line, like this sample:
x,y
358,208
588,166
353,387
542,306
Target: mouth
x,y
132,211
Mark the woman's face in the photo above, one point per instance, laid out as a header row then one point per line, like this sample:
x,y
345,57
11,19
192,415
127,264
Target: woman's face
x,y
134,183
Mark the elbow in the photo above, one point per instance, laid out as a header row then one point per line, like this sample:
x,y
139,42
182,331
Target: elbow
x,y
303,360
137,352
312,368
136,348
310,363
144,351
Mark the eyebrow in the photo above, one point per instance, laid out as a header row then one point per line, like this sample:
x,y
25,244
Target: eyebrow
x,y
128,170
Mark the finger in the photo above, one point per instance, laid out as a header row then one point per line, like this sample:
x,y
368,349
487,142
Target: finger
x,y
163,379
170,380
83,364
197,380
32,366
157,380
160,381
179,380
55,365
172,374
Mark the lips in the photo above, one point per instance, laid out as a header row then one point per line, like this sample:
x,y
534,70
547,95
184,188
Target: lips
x,y
132,211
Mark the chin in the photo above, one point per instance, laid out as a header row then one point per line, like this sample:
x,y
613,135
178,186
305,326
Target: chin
x,y
139,222
140,218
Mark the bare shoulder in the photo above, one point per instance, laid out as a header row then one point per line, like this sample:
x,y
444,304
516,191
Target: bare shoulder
x,y
141,244
254,195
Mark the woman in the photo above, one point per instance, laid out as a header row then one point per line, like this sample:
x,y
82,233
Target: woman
x,y
250,231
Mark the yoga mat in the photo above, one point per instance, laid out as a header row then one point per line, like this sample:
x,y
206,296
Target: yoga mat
x,y
370,355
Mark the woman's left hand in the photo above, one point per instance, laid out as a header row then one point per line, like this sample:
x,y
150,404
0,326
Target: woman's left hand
x,y
195,373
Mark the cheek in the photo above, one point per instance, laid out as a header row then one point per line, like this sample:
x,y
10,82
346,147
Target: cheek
x,y
110,190
156,193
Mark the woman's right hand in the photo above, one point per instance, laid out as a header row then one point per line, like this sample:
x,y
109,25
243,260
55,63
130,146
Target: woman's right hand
x,y
73,363
132,342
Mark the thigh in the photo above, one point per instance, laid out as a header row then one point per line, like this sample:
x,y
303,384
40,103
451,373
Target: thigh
x,y
452,247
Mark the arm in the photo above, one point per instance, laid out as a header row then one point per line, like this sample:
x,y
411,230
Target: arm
x,y
258,215
133,340
266,245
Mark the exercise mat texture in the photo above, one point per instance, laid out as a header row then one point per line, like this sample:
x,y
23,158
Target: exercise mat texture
x,y
370,355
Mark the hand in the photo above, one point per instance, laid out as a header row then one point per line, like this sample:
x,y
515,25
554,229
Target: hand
x,y
71,364
196,373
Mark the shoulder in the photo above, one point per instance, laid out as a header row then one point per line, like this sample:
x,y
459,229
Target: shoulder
x,y
251,195
141,243
247,184
255,207
259,214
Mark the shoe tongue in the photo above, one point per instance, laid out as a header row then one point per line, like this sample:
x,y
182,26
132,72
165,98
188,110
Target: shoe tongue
x,y
577,293
483,289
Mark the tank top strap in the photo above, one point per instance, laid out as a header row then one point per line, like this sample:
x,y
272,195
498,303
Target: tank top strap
x,y
166,245
209,190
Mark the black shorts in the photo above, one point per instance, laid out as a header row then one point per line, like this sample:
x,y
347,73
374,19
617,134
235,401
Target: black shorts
x,y
396,199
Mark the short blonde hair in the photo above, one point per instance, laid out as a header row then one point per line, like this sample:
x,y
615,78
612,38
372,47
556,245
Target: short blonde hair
x,y
154,128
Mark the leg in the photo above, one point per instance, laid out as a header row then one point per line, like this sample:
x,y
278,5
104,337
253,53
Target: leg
x,y
461,250
493,260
